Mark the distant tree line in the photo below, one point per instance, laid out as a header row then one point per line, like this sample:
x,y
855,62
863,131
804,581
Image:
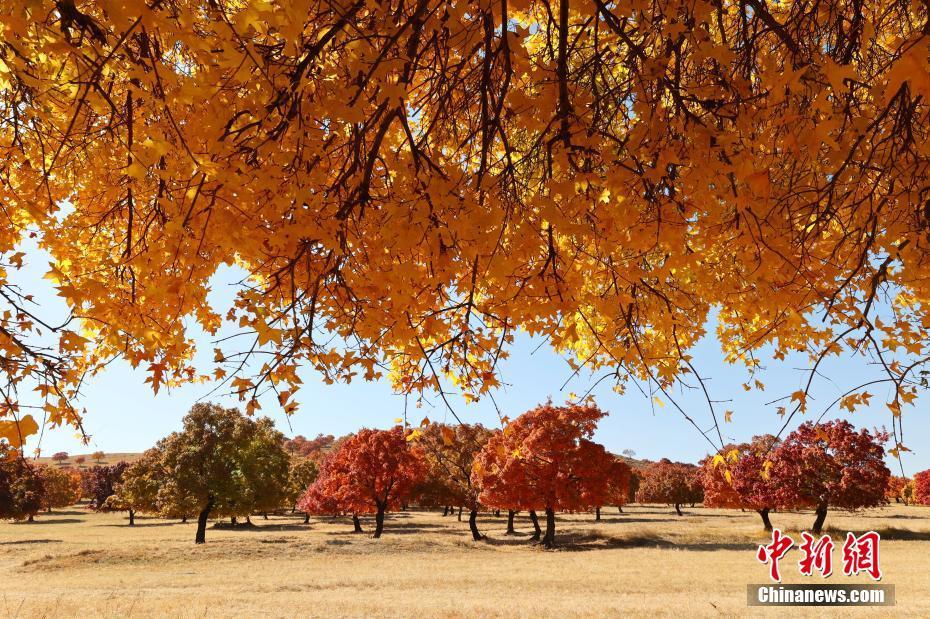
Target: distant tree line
x,y
223,464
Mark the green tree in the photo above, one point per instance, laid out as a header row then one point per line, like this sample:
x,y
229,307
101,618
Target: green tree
x,y
264,467
302,473
138,490
201,460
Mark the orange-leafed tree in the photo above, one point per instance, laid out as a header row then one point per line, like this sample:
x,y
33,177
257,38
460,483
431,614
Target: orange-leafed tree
x,y
619,482
426,178
61,487
449,454
544,460
895,491
922,487
374,471
674,483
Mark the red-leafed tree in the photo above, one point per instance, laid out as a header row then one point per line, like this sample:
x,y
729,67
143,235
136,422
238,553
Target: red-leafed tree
x,y
619,480
449,453
100,483
22,491
675,483
830,465
313,449
60,457
895,490
544,459
922,487
741,478
373,471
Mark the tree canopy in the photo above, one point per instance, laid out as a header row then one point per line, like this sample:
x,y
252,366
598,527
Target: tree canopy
x,y
422,179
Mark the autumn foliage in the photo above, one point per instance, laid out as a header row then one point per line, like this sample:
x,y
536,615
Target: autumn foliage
x,y
670,482
740,477
922,487
425,179
449,453
830,464
373,471
544,460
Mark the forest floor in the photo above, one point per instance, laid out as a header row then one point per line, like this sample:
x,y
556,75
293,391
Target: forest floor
x,y
646,561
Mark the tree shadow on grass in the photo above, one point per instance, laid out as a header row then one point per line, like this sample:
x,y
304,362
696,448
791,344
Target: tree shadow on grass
x,y
141,525
887,533
400,529
622,520
31,541
572,542
40,520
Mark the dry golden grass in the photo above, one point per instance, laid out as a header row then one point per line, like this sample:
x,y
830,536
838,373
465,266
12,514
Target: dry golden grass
x,y
646,561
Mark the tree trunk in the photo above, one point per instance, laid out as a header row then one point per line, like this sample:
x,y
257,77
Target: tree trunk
x,y
132,518
497,513
445,510
232,520
265,515
678,509
357,523
460,513
821,516
597,514
620,508
31,518
536,530
248,520
379,522
306,518
201,535
765,519
549,538
183,519
473,525
510,530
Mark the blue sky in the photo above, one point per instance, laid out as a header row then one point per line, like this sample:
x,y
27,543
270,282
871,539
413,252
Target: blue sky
x,y
123,415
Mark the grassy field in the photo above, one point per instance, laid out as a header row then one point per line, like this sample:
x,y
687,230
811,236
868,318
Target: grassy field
x,y
645,561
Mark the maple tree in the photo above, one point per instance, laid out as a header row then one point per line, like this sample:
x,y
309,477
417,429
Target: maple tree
x,y
449,454
310,448
830,465
897,487
22,491
302,472
60,488
373,471
139,486
922,487
99,483
544,460
423,179
620,484
60,457
740,477
264,468
222,463
324,495
670,482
